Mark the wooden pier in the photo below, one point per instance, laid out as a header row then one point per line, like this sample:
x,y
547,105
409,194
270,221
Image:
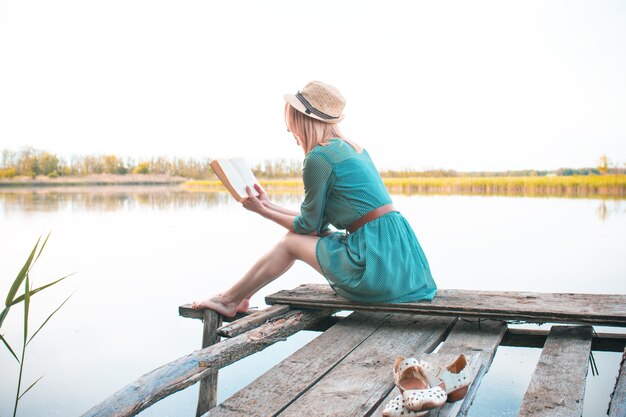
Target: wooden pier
x,y
346,371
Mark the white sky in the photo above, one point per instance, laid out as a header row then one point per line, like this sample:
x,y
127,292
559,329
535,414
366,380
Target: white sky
x,y
480,85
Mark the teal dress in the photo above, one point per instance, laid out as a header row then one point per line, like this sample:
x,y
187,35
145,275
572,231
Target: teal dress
x,y
380,262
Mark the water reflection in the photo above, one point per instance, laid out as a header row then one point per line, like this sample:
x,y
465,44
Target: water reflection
x,y
114,198
158,247
607,209
109,199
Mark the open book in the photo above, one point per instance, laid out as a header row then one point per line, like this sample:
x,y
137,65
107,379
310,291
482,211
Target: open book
x,y
235,174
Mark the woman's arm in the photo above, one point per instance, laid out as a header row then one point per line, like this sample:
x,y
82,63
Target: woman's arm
x,y
281,209
267,203
261,205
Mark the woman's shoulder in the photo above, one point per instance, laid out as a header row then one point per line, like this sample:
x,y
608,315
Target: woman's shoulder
x,y
335,151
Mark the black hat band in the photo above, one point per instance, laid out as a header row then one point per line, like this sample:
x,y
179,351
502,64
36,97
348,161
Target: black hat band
x,y
312,110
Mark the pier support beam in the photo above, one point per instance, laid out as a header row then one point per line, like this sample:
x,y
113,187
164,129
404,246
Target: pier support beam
x,y
207,397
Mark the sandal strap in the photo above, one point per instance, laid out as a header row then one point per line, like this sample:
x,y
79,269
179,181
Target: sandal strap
x,y
430,368
396,408
451,381
424,399
404,365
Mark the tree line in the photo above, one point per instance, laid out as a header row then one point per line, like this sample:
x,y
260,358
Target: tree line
x,y
30,162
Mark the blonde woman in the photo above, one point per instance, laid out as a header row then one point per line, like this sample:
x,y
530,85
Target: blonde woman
x,y
376,259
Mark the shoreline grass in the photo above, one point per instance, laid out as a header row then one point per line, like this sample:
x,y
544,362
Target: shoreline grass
x,y
613,186
609,186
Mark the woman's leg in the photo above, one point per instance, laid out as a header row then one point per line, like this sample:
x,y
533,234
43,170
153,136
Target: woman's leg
x,y
273,264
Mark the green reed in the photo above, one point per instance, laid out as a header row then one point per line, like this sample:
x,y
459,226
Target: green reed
x,y
12,299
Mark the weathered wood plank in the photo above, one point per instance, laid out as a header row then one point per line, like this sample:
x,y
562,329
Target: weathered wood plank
x,y
557,387
189,369
479,343
602,341
600,309
186,311
480,340
278,387
207,394
253,320
617,407
358,383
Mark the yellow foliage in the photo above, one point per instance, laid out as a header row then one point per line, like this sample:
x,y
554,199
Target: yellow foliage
x,y
7,172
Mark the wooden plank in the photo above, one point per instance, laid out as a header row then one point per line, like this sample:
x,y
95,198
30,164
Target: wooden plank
x,y
358,383
207,394
481,340
617,407
253,320
600,309
478,341
602,341
186,311
187,370
277,388
557,387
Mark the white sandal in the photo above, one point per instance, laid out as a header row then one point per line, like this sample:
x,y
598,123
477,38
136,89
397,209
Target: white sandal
x,y
455,378
412,381
397,408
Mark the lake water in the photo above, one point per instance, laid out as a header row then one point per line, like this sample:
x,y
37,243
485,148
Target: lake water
x,y
139,253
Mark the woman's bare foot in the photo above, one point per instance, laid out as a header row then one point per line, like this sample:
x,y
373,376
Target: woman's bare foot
x,y
243,306
217,303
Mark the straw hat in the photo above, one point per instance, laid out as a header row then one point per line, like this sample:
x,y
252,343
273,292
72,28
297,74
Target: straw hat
x,y
319,101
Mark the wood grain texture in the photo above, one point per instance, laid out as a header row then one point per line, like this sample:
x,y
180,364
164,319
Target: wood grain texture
x,y
602,341
252,320
278,387
207,393
357,384
187,370
557,387
617,407
186,311
600,309
479,343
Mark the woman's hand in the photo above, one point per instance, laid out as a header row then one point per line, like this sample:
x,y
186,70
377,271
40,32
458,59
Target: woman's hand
x,y
254,203
262,195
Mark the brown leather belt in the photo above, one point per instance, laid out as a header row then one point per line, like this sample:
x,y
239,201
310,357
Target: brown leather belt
x,y
372,215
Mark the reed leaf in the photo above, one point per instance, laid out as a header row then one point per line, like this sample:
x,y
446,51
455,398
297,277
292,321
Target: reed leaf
x,y
9,347
50,316
41,248
3,315
26,307
28,389
26,311
21,276
36,290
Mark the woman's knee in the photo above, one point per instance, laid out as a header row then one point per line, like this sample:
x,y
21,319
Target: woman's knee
x,y
285,244
301,247
288,242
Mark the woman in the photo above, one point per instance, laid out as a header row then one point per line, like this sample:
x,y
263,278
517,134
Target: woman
x,y
377,259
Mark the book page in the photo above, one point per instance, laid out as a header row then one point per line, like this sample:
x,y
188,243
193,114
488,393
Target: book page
x,y
245,173
229,175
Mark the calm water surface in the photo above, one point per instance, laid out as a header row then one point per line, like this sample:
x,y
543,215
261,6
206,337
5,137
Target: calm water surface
x,y
139,253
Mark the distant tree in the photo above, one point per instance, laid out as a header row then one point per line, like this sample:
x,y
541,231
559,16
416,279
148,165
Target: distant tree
x,y
48,163
113,165
142,168
8,159
603,165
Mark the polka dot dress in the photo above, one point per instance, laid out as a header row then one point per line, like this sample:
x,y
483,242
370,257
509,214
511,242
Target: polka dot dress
x,y
382,261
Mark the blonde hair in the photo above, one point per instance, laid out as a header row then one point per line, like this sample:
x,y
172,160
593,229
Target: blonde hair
x,y
313,132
